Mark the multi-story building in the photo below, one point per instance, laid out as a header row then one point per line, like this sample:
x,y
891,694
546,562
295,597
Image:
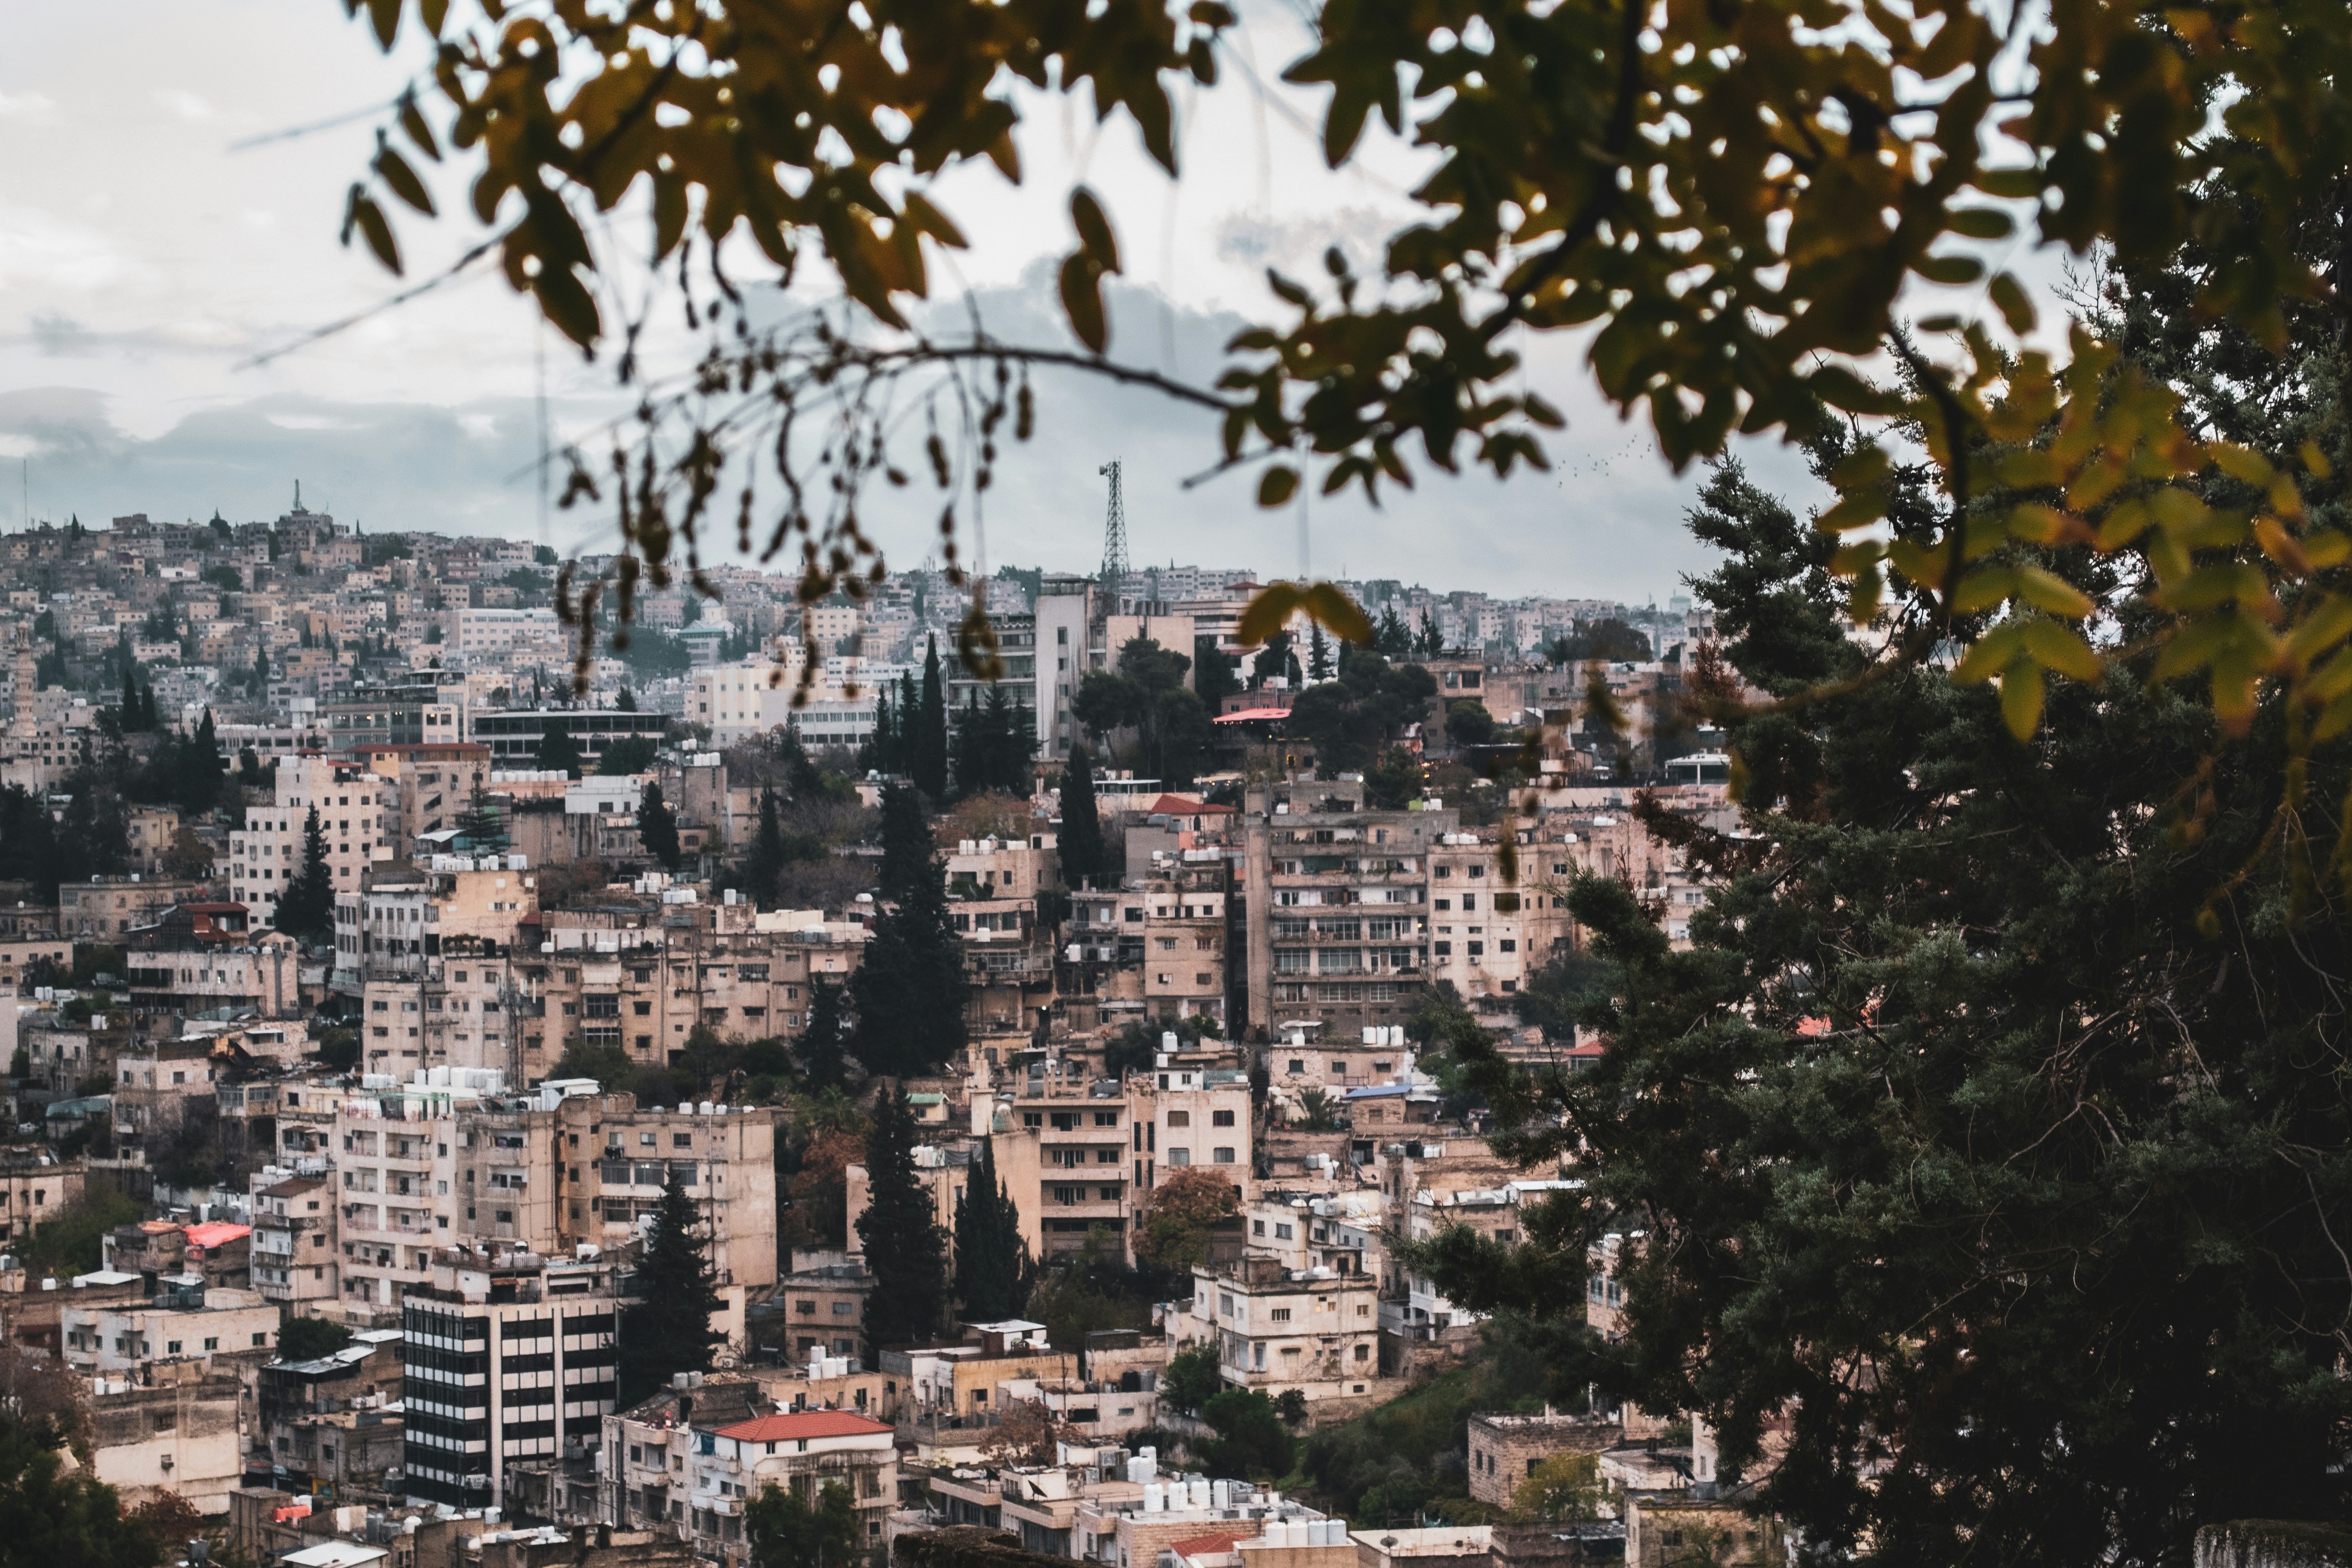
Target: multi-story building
x,y
1336,895
451,1156
186,1322
513,734
358,815
111,907
34,1184
1277,1328
505,1356
294,1249
800,1452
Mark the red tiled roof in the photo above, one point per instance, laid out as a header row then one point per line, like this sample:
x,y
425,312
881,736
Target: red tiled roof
x,y
1253,713
801,1424
214,1233
1187,806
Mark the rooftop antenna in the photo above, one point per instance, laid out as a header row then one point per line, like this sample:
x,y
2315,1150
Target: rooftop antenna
x,y
298,495
1114,561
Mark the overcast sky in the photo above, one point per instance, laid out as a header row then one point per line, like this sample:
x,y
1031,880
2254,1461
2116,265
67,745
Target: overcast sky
x,y
142,261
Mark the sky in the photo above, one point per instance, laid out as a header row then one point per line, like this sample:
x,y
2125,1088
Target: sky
x,y
146,259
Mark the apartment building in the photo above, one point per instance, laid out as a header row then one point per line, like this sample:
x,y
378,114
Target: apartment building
x,y
35,1183
513,734
1337,896
800,1452
451,1157
488,635
358,813
185,1321
1156,948
1494,1213
505,1355
1489,932
294,1247
105,908
435,782
1277,1328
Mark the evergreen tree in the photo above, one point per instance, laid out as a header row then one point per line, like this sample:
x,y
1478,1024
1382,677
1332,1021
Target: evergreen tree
x,y
129,712
147,718
928,762
1983,1072
627,702
1433,641
991,1257
905,1251
907,851
1319,654
669,1329
207,751
1083,852
823,1039
306,907
1395,639
1213,672
260,672
1010,740
558,748
766,862
910,987
787,1532
971,749
657,826
53,1515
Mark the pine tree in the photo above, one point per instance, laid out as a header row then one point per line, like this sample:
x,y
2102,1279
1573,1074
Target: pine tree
x,y
128,714
990,1256
1433,641
905,1251
907,851
1010,740
669,1329
558,748
307,907
910,987
1319,654
149,720
823,1039
929,761
1083,852
657,826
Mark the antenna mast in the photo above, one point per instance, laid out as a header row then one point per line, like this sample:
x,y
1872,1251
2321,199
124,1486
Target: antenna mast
x,y
1114,561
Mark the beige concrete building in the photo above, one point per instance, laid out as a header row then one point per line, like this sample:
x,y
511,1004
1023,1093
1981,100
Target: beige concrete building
x,y
35,1183
1277,1328
358,813
110,907
189,1325
1338,901
294,1250
1505,1447
176,1431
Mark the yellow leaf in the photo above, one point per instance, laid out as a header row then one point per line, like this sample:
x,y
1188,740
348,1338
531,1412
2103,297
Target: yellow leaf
x,y
1341,616
2281,546
2061,649
1982,589
1857,511
2047,591
1993,652
2239,463
2040,524
2315,460
2020,698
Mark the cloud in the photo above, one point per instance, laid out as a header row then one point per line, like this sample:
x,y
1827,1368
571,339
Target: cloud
x,y
25,105
1605,520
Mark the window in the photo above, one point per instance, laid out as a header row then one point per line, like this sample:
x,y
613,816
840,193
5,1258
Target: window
x,y
1220,1119
1179,1156
1220,1155
1177,1118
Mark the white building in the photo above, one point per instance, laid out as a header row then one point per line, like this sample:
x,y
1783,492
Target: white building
x,y
358,813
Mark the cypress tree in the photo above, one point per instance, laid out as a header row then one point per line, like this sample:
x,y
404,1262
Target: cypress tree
x,y
766,862
821,1053
928,762
127,716
971,749
558,748
991,1257
910,987
907,848
905,1251
657,826
669,1329
1083,851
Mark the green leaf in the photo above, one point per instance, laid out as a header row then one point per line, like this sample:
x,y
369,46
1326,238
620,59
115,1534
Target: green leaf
x,y
1276,485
